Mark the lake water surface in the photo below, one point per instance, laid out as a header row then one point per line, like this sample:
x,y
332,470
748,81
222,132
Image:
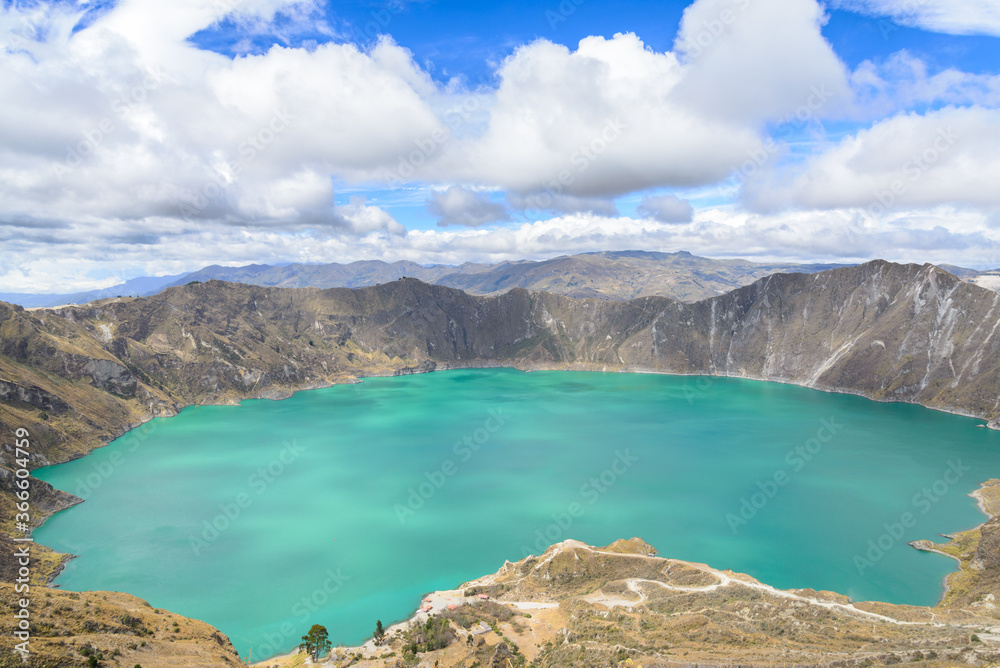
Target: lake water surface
x,y
344,505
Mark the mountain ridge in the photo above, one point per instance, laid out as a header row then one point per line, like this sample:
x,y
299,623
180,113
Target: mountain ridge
x,y
612,275
858,329
78,376
617,275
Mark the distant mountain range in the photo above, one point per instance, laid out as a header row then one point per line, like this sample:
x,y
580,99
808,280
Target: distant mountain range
x,y
619,275
886,331
77,377
143,286
611,275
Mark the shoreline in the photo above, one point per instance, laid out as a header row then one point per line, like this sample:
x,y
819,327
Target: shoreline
x,y
436,602
993,425
925,545
348,379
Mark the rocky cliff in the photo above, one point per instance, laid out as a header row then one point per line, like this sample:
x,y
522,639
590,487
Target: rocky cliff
x,y
76,377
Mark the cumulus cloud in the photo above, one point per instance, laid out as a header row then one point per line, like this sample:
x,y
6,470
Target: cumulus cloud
x,y
363,219
955,17
126,118
460,206
666,209
945,157
126,145
614,116
903,81
738,69
550,201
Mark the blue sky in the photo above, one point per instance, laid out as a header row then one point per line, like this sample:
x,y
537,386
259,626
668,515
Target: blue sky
x,y
466,41
144,138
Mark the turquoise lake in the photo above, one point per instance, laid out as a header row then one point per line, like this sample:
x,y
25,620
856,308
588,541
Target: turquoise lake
x,y
345,505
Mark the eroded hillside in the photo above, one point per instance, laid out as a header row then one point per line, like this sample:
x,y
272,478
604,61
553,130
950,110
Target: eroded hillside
x,y
77,377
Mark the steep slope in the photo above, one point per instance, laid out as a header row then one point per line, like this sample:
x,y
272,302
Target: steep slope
x,y
80,375
886,331
76,377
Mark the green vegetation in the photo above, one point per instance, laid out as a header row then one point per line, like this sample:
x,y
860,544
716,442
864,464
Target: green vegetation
x,y
435,633
316,642
480,611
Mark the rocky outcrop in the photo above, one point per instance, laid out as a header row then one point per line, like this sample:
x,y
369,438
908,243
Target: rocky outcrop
x,y
502,656
890,332
111,377
426,366
76,377
45,499
988,551
33,396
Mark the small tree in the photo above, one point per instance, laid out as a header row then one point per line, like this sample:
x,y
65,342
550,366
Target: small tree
x,y
379,632
316,642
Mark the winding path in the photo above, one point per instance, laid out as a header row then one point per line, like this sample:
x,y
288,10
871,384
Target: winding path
x,y
726,579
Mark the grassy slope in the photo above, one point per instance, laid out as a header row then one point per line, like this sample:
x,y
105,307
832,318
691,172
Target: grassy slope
x,y
78,377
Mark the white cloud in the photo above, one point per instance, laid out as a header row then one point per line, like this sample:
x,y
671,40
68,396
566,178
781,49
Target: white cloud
x,y
666,209
124,119
945,157
463,207
123,142
740,69
941,234
902,82
956,17
552,201
146,124
363,219
614,116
